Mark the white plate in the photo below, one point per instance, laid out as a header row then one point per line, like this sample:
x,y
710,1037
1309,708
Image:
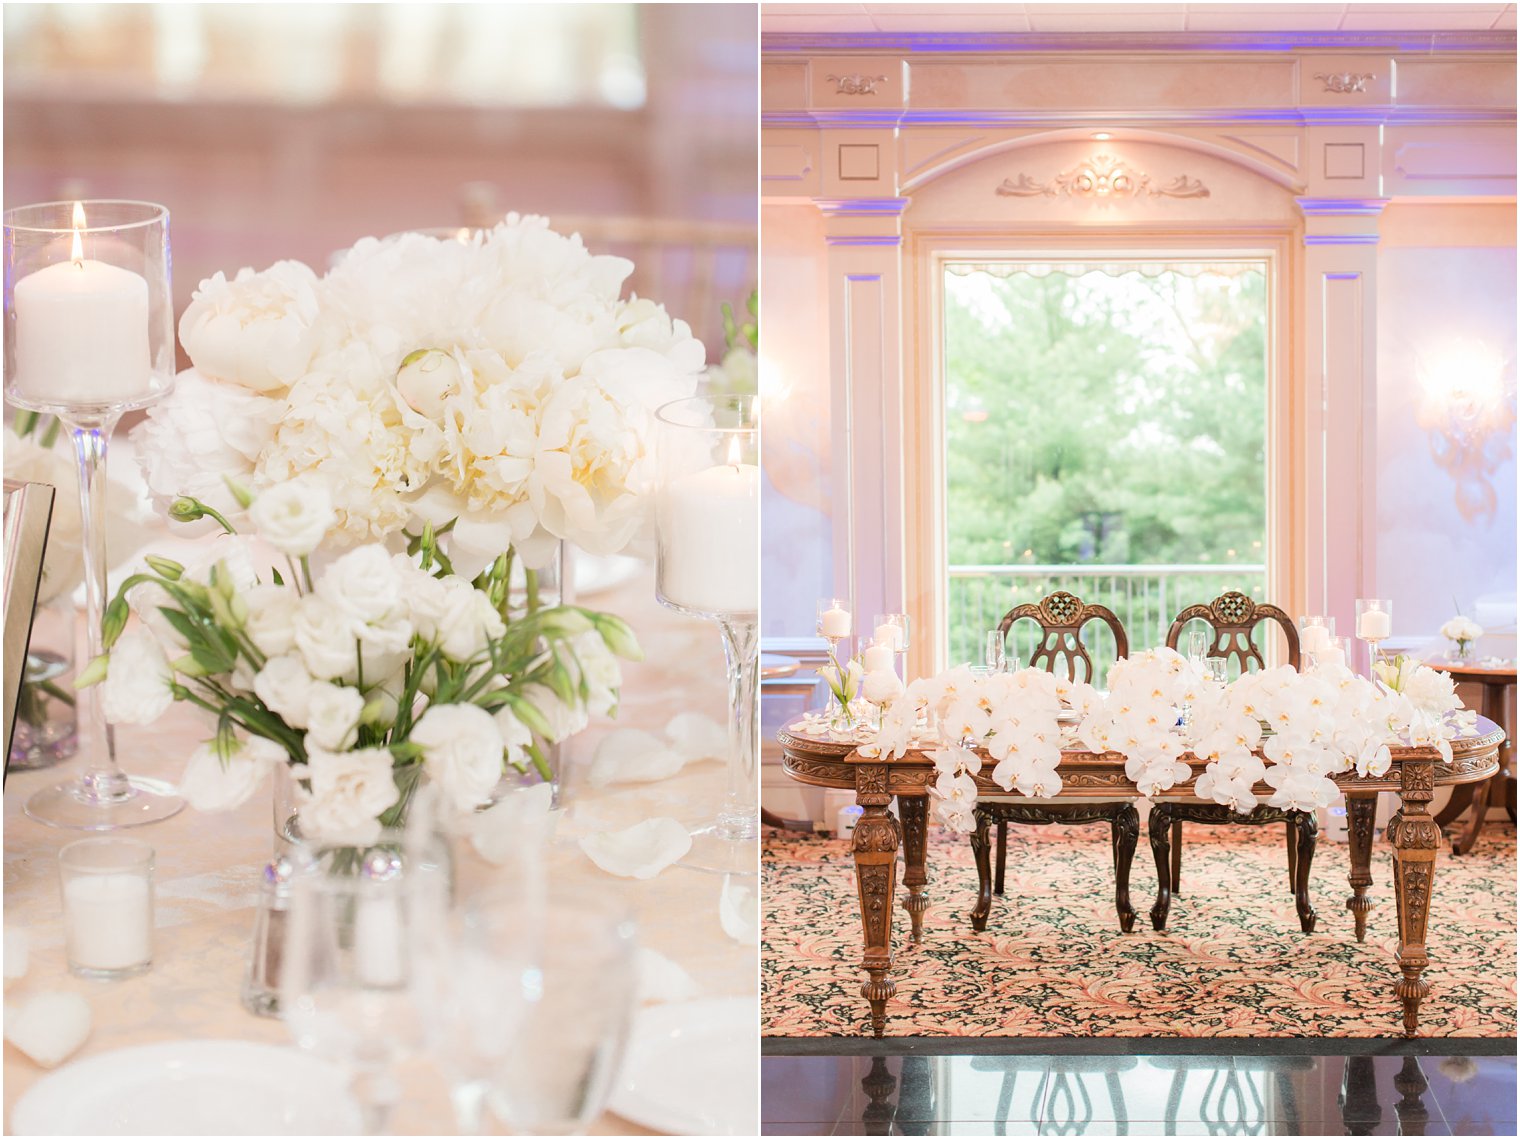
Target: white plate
x,y
692,1068
191,1087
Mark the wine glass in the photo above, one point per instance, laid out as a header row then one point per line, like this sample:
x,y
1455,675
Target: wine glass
x,y
89,335
996,653
347,976
708,565
1198,646
571,979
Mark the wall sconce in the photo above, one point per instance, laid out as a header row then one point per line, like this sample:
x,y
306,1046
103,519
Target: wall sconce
x,y
1467,408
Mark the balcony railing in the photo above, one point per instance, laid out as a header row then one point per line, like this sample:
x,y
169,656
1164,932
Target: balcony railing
x,y
1145,598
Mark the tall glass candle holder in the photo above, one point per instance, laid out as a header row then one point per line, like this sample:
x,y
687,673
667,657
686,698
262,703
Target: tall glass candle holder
x,y
1374,624
1315,635
892,628
708,566
89,336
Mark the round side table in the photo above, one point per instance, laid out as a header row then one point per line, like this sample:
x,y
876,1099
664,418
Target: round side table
x,y
1495,679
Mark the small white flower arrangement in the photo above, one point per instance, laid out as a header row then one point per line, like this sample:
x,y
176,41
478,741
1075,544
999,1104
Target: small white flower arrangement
x,y
1462,631
1321,723
362,677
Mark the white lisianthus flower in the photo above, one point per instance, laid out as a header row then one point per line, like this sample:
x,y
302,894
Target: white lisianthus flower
x,y
468,622
349,792
294,517
564,720
515,735
365,586
286,688
257,330
137,687
211,785
271,618
462,750
599,669
332,720
324,636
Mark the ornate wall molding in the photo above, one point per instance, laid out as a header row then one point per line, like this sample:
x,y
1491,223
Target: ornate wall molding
x,y
1102,177
1345,82
856,84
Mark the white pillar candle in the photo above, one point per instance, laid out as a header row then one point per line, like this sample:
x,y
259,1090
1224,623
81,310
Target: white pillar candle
x,y
108,921
82,335
1314,639
377,942
890,635
1374,625
710,540
1329,656
834,623
878,658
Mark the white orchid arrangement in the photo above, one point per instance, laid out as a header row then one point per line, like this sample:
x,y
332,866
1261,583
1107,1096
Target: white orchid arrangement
x,y
1287,729
1463,631
362,677
500,384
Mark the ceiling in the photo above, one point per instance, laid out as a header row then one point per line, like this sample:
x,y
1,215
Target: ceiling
x,y
1110,18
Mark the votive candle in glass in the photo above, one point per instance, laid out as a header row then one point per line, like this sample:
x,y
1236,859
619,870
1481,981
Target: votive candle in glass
x,y
107,906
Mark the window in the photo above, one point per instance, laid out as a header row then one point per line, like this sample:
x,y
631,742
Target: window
x,y
1105,434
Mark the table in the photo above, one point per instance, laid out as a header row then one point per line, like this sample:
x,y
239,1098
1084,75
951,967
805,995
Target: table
x,y
208,868
876,780
1494,679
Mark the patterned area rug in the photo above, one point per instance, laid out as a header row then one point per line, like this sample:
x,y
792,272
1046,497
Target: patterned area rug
x,y
1052,961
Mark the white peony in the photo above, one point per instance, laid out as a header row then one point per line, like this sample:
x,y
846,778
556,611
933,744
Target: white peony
x,y
211,785
257,330
332,716
882,686
1461,629
348,793
286,687
137,688
293,517
462,750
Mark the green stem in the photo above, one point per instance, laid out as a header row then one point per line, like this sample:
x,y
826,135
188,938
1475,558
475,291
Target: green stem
x,y
53,690
407,779
50,436
306,571
222,522
531,578
540,764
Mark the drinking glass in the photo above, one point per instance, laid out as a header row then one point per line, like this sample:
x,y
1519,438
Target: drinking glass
x,y
89,335
347,975
707,520
1217,669
1198,646
995,652
562,973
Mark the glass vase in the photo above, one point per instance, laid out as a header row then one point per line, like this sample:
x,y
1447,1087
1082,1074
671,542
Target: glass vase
x,y
47,723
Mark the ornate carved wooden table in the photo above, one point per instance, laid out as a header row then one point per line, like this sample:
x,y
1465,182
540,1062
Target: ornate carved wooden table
x,y
1414,776
1496,679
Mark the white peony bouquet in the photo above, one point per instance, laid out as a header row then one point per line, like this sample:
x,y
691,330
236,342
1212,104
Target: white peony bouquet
x,y
363,677
1463,631
500,384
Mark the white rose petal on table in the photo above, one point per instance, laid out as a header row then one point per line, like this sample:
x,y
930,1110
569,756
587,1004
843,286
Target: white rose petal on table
x,y
661,979
633,756
48,1027
17,953
639,851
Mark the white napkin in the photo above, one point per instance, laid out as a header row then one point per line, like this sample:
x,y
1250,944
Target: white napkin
x,y
639,851
661,979
48,1027
17,957
633,756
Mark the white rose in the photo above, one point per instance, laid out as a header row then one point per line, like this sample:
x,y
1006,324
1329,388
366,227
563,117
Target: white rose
x,y
271,618
426,378
198,437
462,749
333,716
136,689
349,792
365,586
564,720
286,688
468,622
256,330
324,636
294,517
211,785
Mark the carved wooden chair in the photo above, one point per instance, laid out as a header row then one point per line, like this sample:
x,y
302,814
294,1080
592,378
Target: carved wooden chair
x,y
1061,617
1232,617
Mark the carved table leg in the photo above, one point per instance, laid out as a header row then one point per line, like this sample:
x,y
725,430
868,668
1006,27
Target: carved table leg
x,y
1456,806
1292,836
1360,1111
914,810
1415,836
1126,835
876,842
1175,881
1160,826
981,850
1002,856
878,1084
1361,811
1305,829
1411,1085
1480,796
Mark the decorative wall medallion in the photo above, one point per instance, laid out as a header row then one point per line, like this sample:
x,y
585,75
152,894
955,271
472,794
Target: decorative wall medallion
x,y
856,84
1102,177
1345,82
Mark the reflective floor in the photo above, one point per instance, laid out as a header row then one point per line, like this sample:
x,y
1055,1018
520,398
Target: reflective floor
x,y
1138,1095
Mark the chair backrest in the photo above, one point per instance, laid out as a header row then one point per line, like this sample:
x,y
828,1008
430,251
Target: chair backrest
x,y
1233,616
1061,617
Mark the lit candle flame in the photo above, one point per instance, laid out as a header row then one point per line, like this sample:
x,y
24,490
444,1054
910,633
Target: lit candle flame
x,y
735,453
78,250
463,236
